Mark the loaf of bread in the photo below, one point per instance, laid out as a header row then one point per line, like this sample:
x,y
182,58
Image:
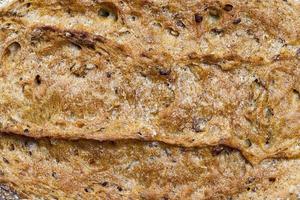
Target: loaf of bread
x,y
150,99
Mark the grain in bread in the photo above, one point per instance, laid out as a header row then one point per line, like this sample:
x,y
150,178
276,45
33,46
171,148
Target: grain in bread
x,y
196,97
152,70
61,169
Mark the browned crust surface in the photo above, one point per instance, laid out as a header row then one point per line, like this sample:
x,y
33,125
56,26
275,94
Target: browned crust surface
x,y
182,74
149,71
128,169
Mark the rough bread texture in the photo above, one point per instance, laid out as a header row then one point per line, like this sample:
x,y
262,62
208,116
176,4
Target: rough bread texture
x,y
59,169
6,193
192,76
191,73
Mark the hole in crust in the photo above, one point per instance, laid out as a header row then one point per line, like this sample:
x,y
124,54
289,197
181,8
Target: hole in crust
x,y
38,79
272,179
248,143
217,31
88,189
296,94
228,7
103,12
180,24
198,18
120,189
104,184
12,49
133,18
236,21
164,71
26,131
54,175
108,74
109,11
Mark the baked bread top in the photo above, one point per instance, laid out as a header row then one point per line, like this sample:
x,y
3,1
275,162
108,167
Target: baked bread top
x,y
128,169
169,99
190,73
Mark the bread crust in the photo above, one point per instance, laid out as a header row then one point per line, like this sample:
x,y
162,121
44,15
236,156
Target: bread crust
x,y
204,75
131,169
154,77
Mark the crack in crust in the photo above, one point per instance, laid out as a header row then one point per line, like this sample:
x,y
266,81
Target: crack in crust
x,y
62,169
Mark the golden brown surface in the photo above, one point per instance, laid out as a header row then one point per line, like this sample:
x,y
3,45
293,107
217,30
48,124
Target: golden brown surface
x,y
177,73
58,169
149,71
